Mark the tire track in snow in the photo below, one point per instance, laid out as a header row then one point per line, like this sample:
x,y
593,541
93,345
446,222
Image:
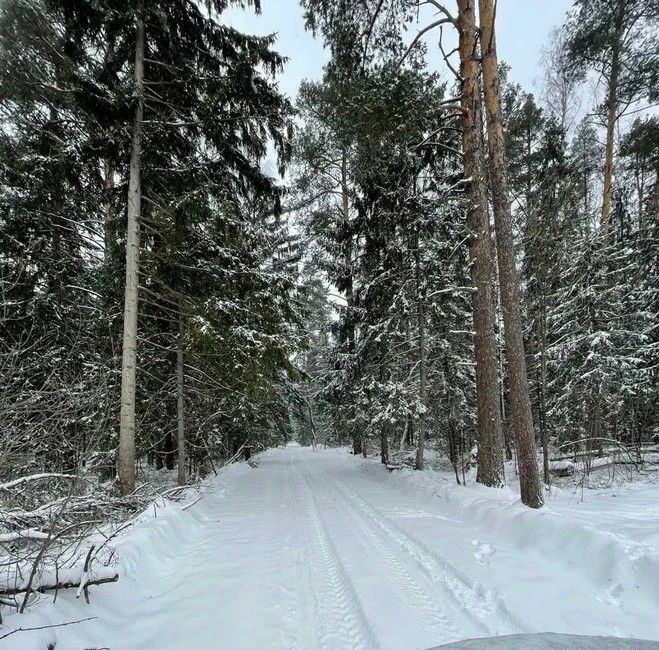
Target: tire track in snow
x,y
419,592
287,546
346,615
483,610
309,611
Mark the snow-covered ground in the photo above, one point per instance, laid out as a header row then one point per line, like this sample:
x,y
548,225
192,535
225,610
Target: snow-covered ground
x,y
323,550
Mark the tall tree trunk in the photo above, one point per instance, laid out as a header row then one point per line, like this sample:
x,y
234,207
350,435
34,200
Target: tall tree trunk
x,y
408,437
384,443
384,425
653,207
355,434
312,423
490,452
611,120
421,342
521,417
180,399
126,453
544,434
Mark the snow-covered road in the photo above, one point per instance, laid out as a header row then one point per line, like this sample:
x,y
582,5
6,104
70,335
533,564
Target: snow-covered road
x,y
322,550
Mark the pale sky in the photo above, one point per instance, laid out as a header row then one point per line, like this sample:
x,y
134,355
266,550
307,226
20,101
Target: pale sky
x,y
523,28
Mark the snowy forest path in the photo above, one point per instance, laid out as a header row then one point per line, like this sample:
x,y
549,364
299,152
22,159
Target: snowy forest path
x,y
321,550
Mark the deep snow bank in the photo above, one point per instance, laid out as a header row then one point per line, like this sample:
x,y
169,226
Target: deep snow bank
x,y
613,563
142,549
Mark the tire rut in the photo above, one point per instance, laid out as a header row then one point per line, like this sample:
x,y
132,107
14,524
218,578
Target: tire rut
x,y
308,606
410,588
482,609
341,602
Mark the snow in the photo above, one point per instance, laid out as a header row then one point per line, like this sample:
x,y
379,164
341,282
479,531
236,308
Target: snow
x,y
628,512
319,549
26,533
550,641
34,477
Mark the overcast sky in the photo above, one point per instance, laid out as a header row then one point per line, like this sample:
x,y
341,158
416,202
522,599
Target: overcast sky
x,y
523,30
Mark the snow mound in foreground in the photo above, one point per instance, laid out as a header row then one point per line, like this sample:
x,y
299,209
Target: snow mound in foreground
x,y
616,566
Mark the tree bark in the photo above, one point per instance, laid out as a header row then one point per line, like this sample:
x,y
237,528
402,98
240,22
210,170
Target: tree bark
x,y
654,200
312,423
421,342
544,434
519,398
355,434
611,120
488,415
126,452
180,400
384,443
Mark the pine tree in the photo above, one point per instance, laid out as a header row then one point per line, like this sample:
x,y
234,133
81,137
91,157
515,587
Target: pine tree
x,y
520,402
210,109
615,37
490,442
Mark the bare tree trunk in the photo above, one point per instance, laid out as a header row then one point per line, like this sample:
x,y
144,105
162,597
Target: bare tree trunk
x,y
384,425
544,435
490,452
521,417
611,120
421,334
501,377
312,424
126,453
654,200
355,434
409,434
180,400
384,443
639,179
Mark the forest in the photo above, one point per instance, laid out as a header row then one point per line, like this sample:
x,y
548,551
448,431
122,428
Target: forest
x,y
416,263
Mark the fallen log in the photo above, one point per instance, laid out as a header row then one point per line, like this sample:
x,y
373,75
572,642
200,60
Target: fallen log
x,y
70,584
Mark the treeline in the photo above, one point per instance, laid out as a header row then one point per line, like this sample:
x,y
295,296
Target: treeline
x,y
452,258
499,264
140,240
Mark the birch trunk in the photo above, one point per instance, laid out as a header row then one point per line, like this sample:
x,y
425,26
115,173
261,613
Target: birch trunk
x,y
488,415
126,452
521,417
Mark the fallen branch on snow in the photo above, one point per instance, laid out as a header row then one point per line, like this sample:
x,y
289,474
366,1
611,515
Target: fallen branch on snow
x,y
46,627
26,533
68,584
34,477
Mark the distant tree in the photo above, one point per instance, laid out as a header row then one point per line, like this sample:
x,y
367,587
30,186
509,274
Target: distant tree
x,y
559,85
618,40
640,153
